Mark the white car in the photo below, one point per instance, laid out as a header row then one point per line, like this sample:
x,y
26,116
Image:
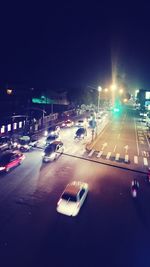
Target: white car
x,y
80,123
72,198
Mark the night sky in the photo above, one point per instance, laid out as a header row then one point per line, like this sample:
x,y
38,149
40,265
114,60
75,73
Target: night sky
x,y
69,44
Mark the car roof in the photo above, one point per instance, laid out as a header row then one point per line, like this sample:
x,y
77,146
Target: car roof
x,y
73,188
56,143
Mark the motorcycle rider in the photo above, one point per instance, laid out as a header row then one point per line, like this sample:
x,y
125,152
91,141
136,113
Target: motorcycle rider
x,y
135,184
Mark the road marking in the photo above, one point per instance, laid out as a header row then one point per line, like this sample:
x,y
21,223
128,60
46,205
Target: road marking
x,y
99,154
108,155
136,138
91,153
115,148
117,156
135,159
145,161
126,158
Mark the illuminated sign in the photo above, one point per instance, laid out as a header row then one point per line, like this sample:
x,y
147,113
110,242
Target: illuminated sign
x,y
147,95
3,129
9,127
43,100
20,124
15,125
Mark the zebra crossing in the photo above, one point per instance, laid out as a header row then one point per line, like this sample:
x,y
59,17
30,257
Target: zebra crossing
x,y
117,157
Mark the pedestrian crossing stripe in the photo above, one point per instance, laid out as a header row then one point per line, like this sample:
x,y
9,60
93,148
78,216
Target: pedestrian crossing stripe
x,y
126,158
91,153
108,155
145,161
99,154
117,156
135,159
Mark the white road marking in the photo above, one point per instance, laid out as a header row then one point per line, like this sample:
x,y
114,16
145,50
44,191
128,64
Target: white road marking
x,y
136,138
117,156
135,159
145,161
108,155
91,153
115,148
126,158
99,154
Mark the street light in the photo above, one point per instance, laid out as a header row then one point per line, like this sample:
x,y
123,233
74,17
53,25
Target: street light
x,y
113,87
99,90
121,91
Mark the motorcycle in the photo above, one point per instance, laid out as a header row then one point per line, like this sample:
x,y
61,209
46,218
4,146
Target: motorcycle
x,y
134,188
134,192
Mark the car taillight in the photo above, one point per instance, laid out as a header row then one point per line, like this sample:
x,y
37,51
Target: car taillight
x,y
58,203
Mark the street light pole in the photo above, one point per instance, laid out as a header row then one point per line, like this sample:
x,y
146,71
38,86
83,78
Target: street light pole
x,y
99,90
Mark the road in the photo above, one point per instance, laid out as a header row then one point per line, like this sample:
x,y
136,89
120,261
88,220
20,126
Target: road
x,y
111,229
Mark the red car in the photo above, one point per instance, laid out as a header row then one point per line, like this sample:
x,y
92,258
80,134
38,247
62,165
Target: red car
x,y
10,160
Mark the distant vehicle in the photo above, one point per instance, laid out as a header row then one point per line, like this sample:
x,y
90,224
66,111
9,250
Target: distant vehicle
x,y
8,160
51,138
134,188
53,151
5,143
52,130
80,133
67,123
80,123
72,198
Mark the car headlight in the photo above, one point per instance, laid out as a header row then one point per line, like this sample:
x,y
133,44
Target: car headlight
x,y
15,144
82,135
19,145
26,146
52,132
52,155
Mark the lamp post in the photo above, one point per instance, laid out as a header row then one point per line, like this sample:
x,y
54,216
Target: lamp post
x,y
99,90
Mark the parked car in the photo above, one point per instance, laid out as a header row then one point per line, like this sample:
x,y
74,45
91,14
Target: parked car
x,y
72,198
53,151
9,160
80,133
5,143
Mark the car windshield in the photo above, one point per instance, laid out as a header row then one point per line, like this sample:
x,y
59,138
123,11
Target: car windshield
x,y
80,131
50,149
5,159
69,197
52,137
23,142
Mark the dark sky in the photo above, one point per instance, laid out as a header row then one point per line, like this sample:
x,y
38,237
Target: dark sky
x,y
69,44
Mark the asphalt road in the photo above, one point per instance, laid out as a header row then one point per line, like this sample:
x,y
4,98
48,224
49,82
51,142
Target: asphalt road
x,y
112,229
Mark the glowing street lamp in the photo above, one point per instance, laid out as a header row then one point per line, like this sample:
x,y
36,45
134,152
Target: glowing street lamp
x,y
113,87
106,90
9,91
125,100
121,91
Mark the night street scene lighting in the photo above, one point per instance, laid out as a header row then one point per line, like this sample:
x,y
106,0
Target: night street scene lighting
x,y
74,134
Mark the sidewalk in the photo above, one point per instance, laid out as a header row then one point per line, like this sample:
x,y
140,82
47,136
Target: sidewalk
x,y
93,145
